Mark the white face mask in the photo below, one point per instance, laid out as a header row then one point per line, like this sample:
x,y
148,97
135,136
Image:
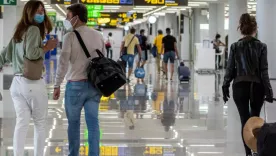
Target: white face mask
x,y
67,24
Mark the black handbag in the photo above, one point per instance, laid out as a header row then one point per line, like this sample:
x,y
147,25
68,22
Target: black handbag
x,y
123,64
105,74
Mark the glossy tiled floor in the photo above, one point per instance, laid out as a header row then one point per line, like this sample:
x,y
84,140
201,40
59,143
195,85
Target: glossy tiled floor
x,y
171,119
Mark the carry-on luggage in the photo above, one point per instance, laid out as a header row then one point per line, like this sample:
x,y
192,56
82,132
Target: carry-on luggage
x,y
260,136
105,74
183,72
140,73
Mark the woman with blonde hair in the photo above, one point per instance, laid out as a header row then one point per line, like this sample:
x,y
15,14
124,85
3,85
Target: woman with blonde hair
x,y
28,91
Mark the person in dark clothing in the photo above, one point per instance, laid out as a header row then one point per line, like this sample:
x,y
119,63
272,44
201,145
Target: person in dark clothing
x,y
248,68
217,43
143,45
170,51
109,43
183,72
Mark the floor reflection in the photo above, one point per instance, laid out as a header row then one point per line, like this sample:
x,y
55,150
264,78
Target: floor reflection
x,y
154,118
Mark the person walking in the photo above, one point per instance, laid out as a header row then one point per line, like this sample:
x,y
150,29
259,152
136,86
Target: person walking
x,y
109,43
30,97
158,43
143,45
170,51
130,42
216,44
79,93
248,68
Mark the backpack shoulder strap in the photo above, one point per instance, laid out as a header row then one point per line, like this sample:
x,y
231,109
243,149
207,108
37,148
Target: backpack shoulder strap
x,y
82,44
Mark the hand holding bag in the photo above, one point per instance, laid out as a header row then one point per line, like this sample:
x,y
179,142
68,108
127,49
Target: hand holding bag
x,y
139,73
32,69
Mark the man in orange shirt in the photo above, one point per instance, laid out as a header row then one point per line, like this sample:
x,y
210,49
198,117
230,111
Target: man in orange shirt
x,y
158,43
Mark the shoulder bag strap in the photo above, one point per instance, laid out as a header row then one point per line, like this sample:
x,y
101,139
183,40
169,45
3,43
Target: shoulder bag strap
x,y
82,44
130,41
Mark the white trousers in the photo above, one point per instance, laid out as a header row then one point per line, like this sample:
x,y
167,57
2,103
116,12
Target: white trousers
x,y
30,101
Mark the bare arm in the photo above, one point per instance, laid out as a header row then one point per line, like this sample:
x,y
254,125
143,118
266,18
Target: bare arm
x,y
222,44
122,47
139,50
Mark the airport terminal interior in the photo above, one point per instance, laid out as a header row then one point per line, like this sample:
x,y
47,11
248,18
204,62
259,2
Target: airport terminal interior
x,y
170,118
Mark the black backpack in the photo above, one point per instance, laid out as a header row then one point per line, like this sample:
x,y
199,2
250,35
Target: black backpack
x,y
105,74
266,143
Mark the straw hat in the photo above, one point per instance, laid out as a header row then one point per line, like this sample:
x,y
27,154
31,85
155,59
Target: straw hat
x,y
250,132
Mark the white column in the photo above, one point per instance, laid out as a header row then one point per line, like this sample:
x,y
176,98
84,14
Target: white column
x,y
168,20
10,21
266,32
171,22
216,19
236,9
161,23
185,38
198,19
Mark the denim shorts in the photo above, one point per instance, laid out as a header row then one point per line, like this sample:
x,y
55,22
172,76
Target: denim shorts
x,y
129,58
169,56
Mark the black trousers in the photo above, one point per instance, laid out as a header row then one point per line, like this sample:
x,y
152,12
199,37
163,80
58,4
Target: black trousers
x,y
249,99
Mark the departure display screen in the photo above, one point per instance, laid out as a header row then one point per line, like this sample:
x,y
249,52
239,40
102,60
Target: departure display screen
x,y
125,2
113,19
108,2
65,2
161,2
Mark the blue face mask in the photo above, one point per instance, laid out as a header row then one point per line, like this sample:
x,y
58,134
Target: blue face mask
x,y
39,18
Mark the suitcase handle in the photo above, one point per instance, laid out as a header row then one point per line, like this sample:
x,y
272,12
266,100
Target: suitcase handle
x,y
265,116
274,99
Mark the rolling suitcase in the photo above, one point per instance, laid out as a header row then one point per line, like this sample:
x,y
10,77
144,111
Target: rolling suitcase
x,y
183,73
266,140
259,135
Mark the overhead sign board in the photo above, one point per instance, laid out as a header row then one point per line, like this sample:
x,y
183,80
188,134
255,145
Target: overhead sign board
x,y
52,16
112,19
121,2
161,2
8,2
94,7
108,2
65,2
121,15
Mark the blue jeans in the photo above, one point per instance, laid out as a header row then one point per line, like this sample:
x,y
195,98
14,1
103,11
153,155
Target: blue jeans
x,y
77,96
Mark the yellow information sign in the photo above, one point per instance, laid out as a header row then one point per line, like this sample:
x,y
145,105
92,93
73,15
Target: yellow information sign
x,y
82,150
155,1
109,151
153,150
58,150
